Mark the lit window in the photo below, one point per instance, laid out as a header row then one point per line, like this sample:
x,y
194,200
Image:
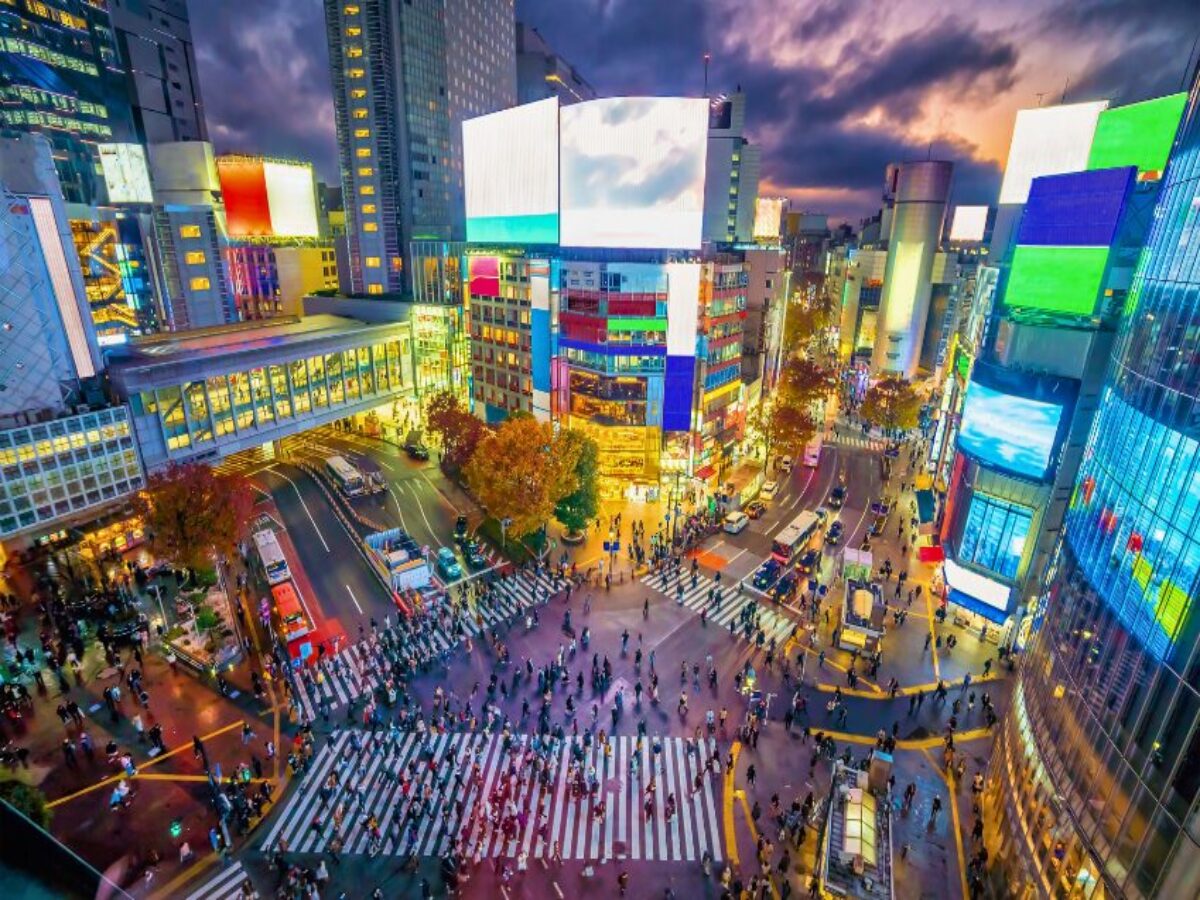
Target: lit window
x,y
194,257
365,172
354,52
368,209
189,231
372,262
351,9
374,288
199,283
362,132
355,73
358,94
363,152
367,190
353,31
361,114
370,226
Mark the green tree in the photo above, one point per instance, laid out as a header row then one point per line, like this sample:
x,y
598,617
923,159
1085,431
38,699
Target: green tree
x,y
520,471
805,321
192,513
892,403
27,800
785,428
803,382
580,506
457,430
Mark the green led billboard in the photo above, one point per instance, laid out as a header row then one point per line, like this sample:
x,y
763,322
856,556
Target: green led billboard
x,y
1139,135
1056,279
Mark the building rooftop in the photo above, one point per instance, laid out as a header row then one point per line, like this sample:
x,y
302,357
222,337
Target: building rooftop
x,y
858,842
246,337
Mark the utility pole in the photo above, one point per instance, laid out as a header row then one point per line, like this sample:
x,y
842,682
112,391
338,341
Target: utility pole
x,y
707,57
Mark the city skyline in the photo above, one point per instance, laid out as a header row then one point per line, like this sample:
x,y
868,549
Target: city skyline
x,y
878,89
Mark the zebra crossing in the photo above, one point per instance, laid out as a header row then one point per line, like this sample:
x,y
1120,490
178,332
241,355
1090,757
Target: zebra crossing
x,y
344,676
225,885
859,441
546,816
775,625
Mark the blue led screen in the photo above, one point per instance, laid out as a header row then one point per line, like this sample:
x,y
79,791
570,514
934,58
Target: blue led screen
x,y
1013,433
1078,209
539,344
677,393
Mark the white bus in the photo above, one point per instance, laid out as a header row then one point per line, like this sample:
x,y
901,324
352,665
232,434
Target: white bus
x,y
272,556
349,480
795,537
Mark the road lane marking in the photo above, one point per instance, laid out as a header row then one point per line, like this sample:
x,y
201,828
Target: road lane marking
x,y
303,504
355,599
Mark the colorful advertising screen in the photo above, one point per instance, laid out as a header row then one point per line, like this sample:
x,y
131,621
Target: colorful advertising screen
x,y
125,173
1139,134
969,223
632,172
244,189
510,167
1078,209
1064,280
1047,141
1013,433
292,198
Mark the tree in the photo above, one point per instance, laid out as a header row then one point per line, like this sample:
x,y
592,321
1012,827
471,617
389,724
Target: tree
x,y
191,513
521,470
892,403
802,382
580,506
28,801
805,320
785,428
457,430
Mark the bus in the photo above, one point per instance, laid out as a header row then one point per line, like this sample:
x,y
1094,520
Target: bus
x,y
271,554
349,480
293,617
795,537
812,452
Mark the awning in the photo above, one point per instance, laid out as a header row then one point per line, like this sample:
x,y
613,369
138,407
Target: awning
x,y
705,472
966,601
925,506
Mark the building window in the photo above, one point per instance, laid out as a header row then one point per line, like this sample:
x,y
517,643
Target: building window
x,y
194,257
199,283
363,152
375,289
371,262
353,31
189,231
354,52
360,114
370,227
995,533
365,172
355,73
366,190
362,132
358,94
351,9
368,209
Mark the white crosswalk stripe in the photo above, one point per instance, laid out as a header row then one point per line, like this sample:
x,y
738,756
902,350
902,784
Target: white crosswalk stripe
x,y
334,681
774,623
225,885
859,440
470,787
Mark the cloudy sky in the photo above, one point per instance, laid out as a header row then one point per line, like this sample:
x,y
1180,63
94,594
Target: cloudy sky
x,y
836,88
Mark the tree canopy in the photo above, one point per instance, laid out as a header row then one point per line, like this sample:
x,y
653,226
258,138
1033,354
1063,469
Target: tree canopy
x,y
892,403
191,513
521,470
458,431
580,506
802,382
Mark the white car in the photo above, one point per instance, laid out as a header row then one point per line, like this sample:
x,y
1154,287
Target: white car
x,y
735,522
786,464
769,490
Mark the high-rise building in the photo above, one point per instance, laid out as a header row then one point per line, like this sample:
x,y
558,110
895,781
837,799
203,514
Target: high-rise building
x,y
1095,781
914,237
542,73
154,38
405,76
731,174
61,75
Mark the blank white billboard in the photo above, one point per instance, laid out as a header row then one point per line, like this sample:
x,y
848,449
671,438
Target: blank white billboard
x,y
768,212
510,170
292,199
683,307
632,172
969,223
1048,141
125,173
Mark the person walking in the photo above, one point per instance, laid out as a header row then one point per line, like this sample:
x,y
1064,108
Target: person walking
x,y
751,775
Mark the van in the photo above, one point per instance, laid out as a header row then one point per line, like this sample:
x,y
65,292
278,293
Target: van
x,y
735,522
786,464
769,490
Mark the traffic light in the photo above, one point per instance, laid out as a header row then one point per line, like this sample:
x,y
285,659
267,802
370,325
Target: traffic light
x,y
176,828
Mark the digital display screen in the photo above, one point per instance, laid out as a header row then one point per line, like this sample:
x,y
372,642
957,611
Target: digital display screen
x,y
1078,209
768,211
510,169
292,198
1064,280
1009,432
969,223
125,173
1047,141
982,588
632,172
244,189
1140,134
268,198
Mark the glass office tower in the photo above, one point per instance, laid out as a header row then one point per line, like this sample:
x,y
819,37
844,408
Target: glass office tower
x,y
1093,788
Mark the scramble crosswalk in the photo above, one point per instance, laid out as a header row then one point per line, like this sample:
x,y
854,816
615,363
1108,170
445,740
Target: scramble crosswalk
x,y
500,809
337,679
858,440
775,625
226,884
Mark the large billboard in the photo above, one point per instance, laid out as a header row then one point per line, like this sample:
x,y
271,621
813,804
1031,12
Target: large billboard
x,y
125,173
969,223
632,172
510,170
1062,280
1016,434
1140,134
1047,141
268,198
768,213
1077,209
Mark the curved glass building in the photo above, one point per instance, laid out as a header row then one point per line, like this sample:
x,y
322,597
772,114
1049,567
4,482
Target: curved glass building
x,y
1094,790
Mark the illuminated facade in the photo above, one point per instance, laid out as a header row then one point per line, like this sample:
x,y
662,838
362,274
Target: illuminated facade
x,y
271,280
115,255
1096,775
405,76
731,174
